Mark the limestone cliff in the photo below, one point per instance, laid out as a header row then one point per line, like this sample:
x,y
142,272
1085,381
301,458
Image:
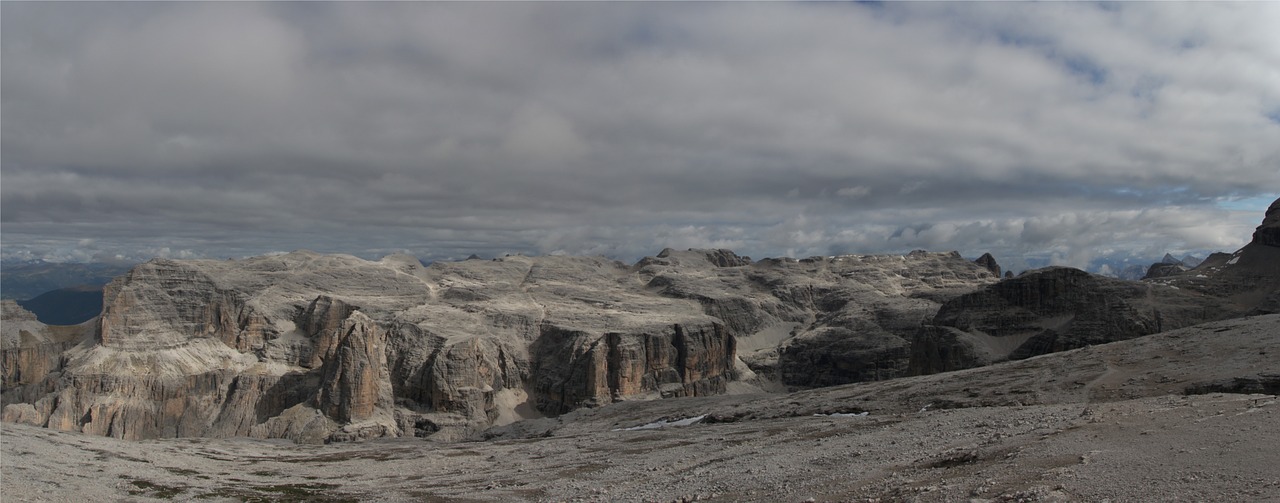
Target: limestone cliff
x,y
320,348
31,350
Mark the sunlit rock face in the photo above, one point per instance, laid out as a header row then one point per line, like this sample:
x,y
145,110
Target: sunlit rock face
x,y
320,348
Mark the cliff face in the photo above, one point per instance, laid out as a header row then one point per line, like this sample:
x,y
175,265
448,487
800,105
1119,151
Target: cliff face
x,y
320,348
1050,310
1268,233
664,361
31,350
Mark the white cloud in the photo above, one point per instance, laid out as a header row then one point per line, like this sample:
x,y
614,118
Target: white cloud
x,y
619,129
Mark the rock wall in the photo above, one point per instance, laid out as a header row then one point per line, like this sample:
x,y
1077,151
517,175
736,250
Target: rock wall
x,y
320,348
1050,310
666,361
30,350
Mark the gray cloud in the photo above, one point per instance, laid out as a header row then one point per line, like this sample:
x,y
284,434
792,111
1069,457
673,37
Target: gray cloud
x,y
1044,133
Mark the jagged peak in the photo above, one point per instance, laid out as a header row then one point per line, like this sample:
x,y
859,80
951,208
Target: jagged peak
x,y
989,262
1268,234
719,257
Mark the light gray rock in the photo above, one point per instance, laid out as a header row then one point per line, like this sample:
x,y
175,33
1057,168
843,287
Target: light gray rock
x,y
317,347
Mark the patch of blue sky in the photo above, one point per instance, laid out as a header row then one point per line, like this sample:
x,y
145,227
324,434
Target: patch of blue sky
x,y
1273,116
1085,68
1254,204
1075,64
1022,39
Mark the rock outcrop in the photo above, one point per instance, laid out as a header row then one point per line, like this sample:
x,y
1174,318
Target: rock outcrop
x,y
1050,310
1057,308
989,262
1164,269
320,348
1268,233
31,350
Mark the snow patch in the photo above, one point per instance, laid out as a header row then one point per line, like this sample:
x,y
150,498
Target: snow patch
x,y
1233,261
664,423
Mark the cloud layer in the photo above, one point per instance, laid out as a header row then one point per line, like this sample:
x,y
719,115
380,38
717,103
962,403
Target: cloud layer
x,y
1053,132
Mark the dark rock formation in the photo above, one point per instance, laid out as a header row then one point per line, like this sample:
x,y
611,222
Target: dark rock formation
x,y
1249,279
1050,310
1268,234
1163,269
989,262
840,355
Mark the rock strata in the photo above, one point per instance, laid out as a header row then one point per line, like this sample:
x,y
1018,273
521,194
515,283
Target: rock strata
x,y
1050,310
989,262
322,348
318,348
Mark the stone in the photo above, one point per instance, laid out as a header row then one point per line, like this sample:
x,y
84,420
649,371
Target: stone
x,y
322,348
1050,310
317,348
1163,269
989,262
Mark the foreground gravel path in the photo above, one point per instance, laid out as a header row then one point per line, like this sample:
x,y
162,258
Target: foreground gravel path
x,y
1209,447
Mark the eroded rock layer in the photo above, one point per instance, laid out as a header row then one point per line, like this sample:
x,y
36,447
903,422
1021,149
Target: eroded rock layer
x,y
320,348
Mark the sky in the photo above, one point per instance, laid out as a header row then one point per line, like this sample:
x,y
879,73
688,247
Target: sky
x,y
1051,133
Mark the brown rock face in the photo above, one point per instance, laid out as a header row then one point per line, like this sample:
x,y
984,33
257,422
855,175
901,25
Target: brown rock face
x,y
322,348
31,350
355,376
667,361
164,303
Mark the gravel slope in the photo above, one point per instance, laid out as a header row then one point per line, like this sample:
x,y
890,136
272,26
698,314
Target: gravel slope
x,y
1105,422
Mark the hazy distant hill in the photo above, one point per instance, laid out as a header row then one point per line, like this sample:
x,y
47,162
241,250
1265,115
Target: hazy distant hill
x,y
27,280
66,306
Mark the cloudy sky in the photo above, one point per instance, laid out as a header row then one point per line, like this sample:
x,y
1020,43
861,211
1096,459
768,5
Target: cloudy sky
x,y
1061,132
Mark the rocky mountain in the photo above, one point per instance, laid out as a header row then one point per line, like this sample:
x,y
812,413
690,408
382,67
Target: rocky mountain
x,y
1055,309
1050,310
1248,278
319,348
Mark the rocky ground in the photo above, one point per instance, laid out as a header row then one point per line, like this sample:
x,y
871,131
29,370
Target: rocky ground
x,y
1107,422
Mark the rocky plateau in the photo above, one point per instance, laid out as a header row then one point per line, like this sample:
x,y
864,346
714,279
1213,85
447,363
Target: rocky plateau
x,y
924,372
318,348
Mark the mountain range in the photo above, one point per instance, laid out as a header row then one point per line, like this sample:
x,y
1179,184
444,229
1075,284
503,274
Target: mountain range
x,y
321,348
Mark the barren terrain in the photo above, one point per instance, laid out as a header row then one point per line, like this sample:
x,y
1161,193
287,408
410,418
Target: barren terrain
x,y
1111,421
